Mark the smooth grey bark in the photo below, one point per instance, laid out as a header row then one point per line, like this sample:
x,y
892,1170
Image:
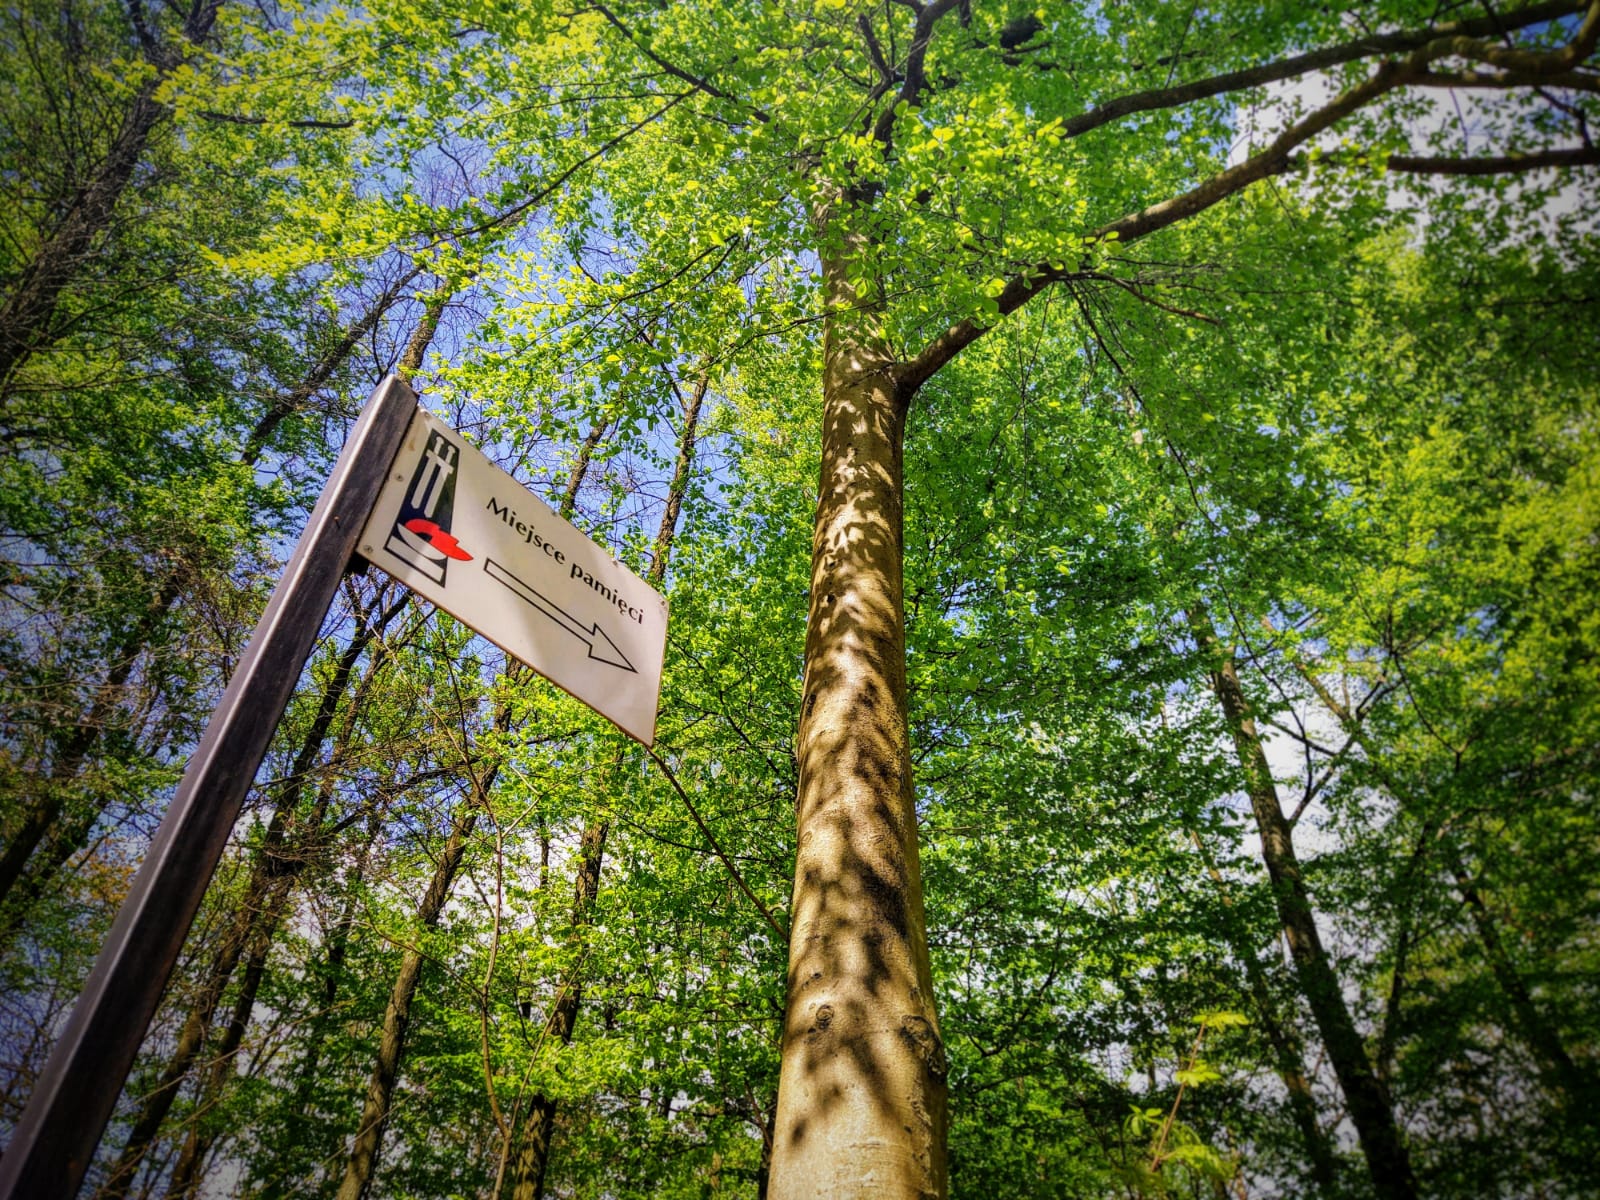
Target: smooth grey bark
x,y
862,1083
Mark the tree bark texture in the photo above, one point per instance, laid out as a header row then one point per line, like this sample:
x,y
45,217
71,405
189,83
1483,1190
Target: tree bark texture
x,y
862,1092
1370,1108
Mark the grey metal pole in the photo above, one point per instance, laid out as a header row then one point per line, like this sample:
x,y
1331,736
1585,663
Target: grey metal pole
x,y
70,1105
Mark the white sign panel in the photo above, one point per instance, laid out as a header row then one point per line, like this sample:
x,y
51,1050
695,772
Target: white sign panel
x,y
461,532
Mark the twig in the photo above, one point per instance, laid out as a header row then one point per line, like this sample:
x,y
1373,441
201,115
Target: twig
x,y
726,861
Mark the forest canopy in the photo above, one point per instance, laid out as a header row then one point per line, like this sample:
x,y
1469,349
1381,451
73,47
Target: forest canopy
x,y
1127,483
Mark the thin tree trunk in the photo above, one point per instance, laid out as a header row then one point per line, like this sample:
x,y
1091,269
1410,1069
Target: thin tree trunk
x,y
862,1084
282,871
1561,1074
44,817
198,1142
70,753
1389,1026
1367,1100
391,1045
267,880
397,1016
1577,1088
539,1127
1287,1049
25,317
533,1156
422,337
329,362
338,949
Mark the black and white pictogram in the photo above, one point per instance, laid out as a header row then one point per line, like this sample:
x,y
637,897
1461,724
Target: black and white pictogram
x,y
421,534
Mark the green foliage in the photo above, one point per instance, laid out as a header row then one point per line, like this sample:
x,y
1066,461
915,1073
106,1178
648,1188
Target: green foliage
x,y
1356,418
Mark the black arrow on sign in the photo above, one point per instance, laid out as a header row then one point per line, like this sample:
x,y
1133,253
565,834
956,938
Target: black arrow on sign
x,y
601,647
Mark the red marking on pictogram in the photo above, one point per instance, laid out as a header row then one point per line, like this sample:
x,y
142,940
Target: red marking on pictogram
x,y
441,541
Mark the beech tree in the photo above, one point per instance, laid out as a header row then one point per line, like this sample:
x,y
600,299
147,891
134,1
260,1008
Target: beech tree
x,y
947,165
1059,412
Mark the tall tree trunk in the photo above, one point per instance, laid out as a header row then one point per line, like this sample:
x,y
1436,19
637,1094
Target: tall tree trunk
x,y
1577,1088
862,1091
261,899
533,1156
1287,1049
397,1015
1371,1110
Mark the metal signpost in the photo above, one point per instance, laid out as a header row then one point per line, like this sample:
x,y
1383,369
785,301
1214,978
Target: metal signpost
x,y
419,502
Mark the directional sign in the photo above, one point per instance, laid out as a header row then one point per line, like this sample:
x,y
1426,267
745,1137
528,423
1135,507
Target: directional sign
x,y
461,532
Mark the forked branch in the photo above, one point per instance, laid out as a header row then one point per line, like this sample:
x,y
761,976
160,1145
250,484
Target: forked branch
x,y
1283,154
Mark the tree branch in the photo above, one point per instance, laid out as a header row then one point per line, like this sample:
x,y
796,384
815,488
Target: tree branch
x,y
696,81
1315,60
1578,81
875,51
772,921
232,119
1505,164
916,79
1276,158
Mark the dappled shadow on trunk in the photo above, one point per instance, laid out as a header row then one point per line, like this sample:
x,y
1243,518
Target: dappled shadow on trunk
x,y
861,1103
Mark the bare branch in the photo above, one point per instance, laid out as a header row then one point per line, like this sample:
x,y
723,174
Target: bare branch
x,y
233,119
1505,164
1315,60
